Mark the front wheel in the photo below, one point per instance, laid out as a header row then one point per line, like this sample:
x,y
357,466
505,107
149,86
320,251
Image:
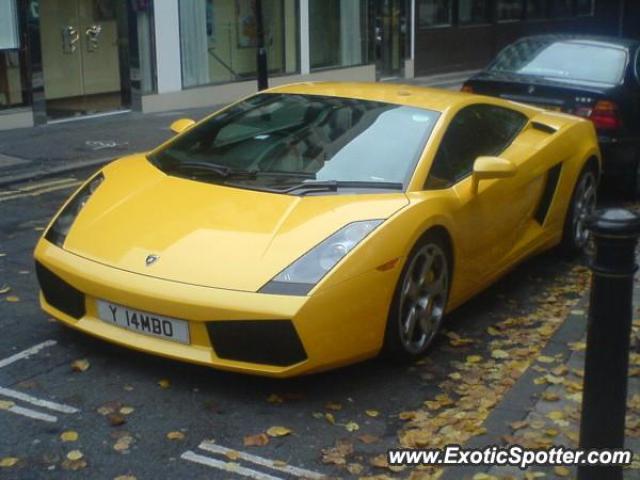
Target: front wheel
x,y
419,301
576,236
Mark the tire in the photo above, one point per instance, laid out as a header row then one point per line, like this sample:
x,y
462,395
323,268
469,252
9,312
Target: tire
x,y
575,237
419,301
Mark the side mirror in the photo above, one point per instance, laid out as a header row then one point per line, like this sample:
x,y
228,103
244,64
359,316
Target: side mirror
x,y
181,125
489,168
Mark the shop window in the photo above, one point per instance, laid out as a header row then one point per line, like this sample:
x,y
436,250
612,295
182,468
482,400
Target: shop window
x,y
561,8
8,25
510,9
338,33
10,79
536,9
434,13
585,7
218,39
473,11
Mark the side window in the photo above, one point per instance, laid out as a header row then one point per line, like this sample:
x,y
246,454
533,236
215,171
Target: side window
x,y
475,131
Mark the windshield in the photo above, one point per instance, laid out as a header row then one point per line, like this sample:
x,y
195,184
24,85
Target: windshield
x,y
276,141
563,60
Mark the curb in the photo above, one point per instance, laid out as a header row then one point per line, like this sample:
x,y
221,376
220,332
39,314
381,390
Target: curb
x,y
521,399
44,173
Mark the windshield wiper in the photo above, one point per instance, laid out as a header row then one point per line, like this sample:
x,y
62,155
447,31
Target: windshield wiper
x,y
334,185
212,168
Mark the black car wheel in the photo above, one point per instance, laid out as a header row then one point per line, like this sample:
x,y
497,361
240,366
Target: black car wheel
x,y
576,237
419,301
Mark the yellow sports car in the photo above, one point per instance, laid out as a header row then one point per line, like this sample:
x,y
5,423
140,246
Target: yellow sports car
x,y
315,225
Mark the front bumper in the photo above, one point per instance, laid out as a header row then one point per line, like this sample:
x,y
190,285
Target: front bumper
x,y
334,327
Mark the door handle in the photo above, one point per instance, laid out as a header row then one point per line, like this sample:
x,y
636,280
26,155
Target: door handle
x,y
70,38
93,37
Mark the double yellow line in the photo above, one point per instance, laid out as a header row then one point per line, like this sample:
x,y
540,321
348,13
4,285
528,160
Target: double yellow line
x,y
38,188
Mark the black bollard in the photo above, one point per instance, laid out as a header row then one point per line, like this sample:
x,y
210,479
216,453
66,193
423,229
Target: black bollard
x,y
261,58
615,233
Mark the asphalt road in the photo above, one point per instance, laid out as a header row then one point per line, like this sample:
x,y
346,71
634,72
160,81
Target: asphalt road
x,y
198,402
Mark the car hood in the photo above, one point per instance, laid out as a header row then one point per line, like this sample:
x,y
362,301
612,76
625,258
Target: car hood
x,y
206,234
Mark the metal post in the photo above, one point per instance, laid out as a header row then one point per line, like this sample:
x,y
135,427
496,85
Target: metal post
x,y
263,74
604,400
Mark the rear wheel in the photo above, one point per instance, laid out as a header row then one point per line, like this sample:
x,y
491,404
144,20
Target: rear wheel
x,y
576,236
419,302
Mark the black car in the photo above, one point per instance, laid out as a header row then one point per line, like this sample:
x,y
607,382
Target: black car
x,y
593,77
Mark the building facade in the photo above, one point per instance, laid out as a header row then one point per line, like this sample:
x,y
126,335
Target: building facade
x,y
65,59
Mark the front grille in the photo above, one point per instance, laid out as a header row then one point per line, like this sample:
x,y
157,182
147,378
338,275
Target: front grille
x,y
268,342
59,294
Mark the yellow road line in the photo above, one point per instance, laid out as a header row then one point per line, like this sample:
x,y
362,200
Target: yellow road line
x,y
35,193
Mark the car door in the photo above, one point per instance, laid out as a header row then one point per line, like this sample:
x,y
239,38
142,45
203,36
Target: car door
x,y
491,222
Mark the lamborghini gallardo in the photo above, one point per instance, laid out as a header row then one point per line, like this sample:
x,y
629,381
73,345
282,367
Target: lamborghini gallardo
x,y
315,225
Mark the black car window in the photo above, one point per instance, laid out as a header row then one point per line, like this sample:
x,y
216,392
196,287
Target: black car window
x,y
475,131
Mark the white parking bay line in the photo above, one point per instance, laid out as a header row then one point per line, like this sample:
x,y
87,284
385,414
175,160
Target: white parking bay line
x,y
58,407
27,412
226,466
264,462
26,353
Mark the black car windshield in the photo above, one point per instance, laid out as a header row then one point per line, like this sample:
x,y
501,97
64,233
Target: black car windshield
x,y
280,142
569,60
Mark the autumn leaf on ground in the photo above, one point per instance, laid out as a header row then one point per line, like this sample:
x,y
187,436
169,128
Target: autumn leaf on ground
x,y
6,404
126,410
80,365
258,440
368,439
499,354
379,461
278,431
372,413
175,436
352,427
69,436
232,455
335,406
75,455
125,477
562,471
116,419
164,383
456,340
274,398
474,359
8,462
12,299
330,418
337,455
4,289
355,468
545,359
123,443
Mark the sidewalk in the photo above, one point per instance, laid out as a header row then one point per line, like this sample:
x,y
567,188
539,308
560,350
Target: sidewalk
x,y
30,153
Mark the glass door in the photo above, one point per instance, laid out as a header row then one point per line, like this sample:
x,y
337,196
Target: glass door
x,y
80,56
390,24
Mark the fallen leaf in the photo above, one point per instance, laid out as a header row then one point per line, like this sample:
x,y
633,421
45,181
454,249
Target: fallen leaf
x,y
279,431
5,289
330,418
6,404
12,298
352,427
545,359
258,440
125,477
164,383
81,365
126,410
562,471
8,462
335,406
368,439
116,419
232,455
550,397
69,436
379,461
175,436
355,468
474,359
499,354
75,455
273,398
337,455
372,413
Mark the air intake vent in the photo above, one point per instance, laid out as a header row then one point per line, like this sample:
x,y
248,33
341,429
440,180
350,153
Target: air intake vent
x,y
59,294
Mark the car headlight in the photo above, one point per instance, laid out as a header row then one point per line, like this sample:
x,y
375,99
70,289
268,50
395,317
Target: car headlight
x,y
303,274
59,229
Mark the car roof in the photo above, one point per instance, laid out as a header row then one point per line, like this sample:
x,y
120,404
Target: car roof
x,y
600,40
409,95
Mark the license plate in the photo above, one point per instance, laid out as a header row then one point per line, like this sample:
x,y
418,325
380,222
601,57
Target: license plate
x,y
144,322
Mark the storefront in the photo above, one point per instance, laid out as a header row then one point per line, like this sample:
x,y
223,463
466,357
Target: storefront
x,y
68,59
